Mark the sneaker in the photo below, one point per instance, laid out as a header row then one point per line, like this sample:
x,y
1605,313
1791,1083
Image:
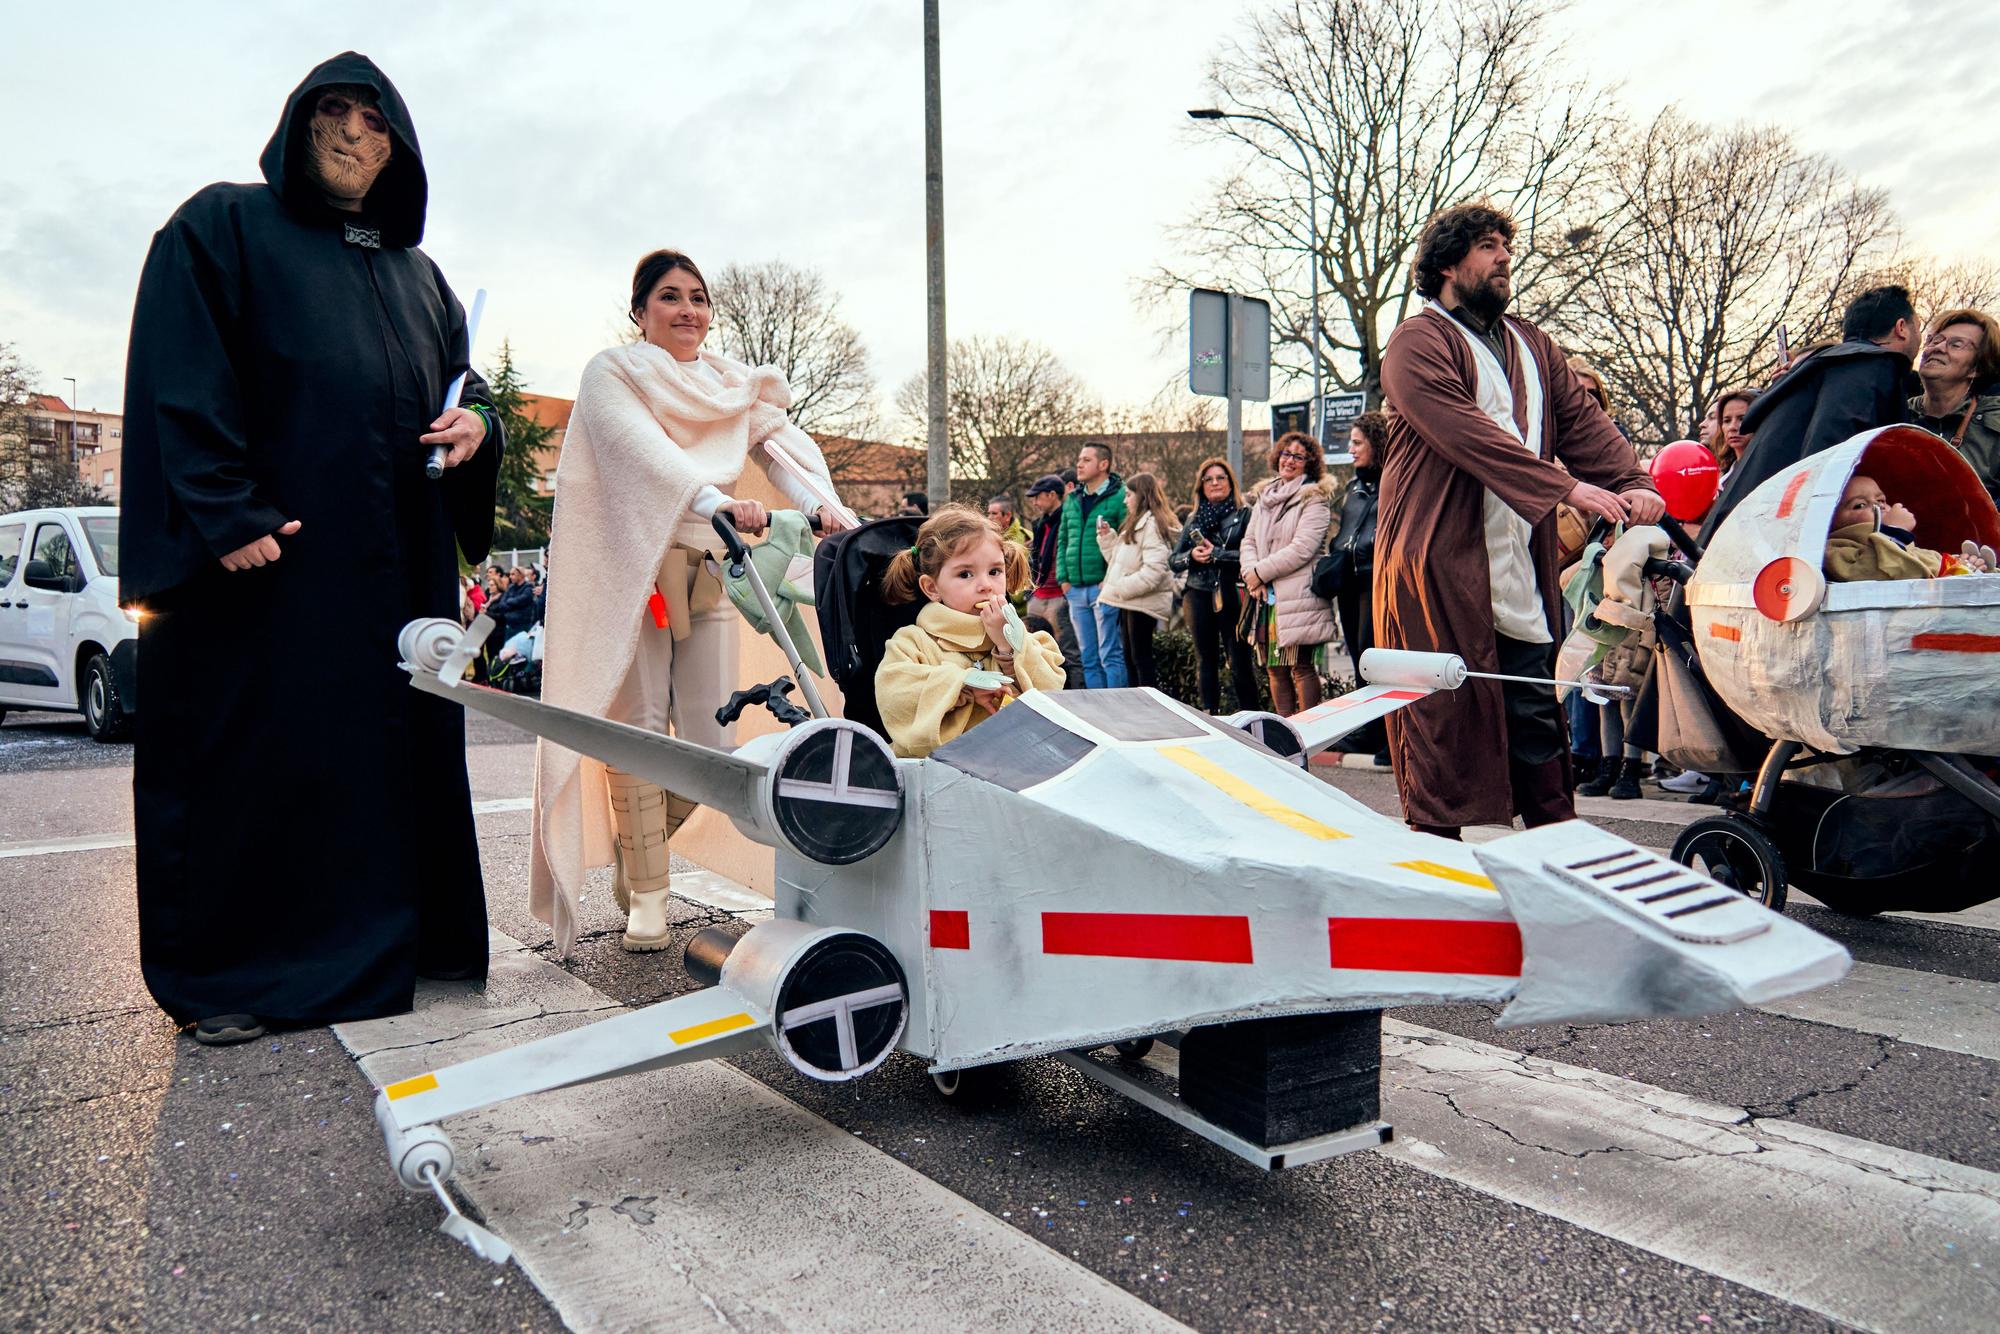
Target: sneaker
x,y
1687,781
223,1030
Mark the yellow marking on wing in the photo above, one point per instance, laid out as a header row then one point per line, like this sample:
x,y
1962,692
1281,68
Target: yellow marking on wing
x,y
1257,800
1443,872
404,1088
696,1032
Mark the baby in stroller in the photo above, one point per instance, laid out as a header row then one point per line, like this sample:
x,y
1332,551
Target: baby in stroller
x,y
1873,538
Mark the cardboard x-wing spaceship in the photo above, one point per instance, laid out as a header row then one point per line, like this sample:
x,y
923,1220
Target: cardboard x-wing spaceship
x,y
1094,867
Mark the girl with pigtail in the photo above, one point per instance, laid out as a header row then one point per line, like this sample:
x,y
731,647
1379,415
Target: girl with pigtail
x,y
968,654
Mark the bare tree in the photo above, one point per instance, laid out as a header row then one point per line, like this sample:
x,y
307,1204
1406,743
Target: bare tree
x,y
36,467
1723,236
1406,107
776,314
1011,410
1936,285
1170,435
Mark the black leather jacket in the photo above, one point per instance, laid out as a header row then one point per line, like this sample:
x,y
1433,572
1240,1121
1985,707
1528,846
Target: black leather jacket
x,y
1357,519
1228,554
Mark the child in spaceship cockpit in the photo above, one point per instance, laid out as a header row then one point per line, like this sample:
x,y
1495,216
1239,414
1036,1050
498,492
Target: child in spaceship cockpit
x,y
968,655
1873,538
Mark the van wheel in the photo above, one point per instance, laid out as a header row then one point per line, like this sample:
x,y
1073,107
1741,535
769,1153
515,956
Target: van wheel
x,y
103,712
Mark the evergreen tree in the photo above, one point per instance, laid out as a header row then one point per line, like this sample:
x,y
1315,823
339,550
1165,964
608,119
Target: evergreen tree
x,y
520,513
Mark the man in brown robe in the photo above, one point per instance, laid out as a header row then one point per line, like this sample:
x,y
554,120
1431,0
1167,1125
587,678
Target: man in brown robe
x,y
1488,431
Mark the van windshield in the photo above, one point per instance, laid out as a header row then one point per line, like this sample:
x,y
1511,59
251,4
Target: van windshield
x,y
102,531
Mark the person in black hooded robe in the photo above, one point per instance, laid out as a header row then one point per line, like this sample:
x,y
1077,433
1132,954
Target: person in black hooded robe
x,y
303,818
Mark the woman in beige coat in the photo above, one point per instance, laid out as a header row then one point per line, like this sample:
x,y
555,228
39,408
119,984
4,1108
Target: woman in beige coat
x,y
1136,579
1289,516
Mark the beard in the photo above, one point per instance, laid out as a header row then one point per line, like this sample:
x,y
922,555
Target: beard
x,y
345,170
1483,299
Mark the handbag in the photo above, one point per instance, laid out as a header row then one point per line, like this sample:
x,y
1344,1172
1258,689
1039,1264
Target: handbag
x,y
1249,618
1331,573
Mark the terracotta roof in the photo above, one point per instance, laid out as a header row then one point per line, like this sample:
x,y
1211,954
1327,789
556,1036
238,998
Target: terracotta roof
x,y
871,460
548,411
47,403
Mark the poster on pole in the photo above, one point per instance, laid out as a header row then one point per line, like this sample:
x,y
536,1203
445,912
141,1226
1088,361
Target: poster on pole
x,y
1337,413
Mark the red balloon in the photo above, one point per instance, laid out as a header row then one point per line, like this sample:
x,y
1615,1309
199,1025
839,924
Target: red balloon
x,y
1687,477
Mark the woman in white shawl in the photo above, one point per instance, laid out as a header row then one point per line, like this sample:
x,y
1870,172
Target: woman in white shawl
x,y
640,631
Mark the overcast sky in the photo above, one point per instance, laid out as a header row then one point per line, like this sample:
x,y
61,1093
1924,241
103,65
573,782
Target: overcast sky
x,y
564,141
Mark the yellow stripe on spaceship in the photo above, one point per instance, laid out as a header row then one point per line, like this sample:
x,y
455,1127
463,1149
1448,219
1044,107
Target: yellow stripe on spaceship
x,y
1452,873
1255,798
404,1088
696,1032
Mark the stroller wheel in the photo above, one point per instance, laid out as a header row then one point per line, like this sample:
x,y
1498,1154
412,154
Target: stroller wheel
x,y
1733,852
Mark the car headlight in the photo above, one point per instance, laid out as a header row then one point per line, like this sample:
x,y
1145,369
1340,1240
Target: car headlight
x,y
134,614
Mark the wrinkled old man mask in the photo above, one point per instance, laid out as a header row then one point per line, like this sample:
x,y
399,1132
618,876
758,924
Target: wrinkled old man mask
x,y
349,142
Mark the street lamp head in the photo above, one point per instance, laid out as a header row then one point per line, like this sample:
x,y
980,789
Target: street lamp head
x,y
1206,113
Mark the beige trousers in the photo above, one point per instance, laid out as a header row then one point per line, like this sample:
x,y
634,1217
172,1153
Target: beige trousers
x,y
676,684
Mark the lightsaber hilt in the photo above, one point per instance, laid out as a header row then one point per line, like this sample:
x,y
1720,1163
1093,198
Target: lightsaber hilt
x,y
434,465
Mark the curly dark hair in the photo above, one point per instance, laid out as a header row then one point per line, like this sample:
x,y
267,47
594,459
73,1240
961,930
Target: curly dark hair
x,y
1449,237
1315,457
1375,426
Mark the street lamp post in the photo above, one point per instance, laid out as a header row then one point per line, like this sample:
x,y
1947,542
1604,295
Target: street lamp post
x,y
71,381
1312,228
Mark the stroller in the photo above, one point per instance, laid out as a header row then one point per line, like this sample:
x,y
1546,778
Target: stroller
x,y
1886,688
855,624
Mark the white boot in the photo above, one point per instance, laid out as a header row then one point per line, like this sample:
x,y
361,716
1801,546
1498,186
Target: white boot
x,y
645,817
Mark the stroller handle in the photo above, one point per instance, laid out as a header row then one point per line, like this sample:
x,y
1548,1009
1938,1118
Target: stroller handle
x,y
1678,571
732,541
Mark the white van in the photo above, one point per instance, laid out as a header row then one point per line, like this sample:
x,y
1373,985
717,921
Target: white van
x,y
64,642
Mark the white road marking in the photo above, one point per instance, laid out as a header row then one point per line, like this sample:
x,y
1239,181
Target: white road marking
x,y
1927,1009
1983,916
1865,1234
99,842
47,847
695,1196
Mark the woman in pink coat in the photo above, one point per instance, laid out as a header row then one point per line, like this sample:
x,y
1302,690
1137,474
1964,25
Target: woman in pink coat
x,y
1289,516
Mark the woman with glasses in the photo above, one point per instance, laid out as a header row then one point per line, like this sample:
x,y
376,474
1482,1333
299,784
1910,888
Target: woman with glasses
x,y
1209,554
1289,517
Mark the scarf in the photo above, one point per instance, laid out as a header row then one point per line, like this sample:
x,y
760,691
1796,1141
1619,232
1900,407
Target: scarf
x,y
644,437
1210,515
1278,492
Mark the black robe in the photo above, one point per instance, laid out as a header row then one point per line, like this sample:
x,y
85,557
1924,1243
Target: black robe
x,y
304,822
1831,396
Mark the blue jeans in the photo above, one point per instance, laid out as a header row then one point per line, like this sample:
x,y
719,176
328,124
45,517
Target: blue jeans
x,y
1097,639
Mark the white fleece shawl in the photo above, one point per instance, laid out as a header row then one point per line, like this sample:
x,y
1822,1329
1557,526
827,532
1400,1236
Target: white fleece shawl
x,y
644,438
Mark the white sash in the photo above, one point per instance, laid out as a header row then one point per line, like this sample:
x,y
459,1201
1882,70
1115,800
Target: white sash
x,y
1515,590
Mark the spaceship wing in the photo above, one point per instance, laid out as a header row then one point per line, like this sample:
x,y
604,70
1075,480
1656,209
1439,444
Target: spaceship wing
x,y
697,1026
436,652
1321,726
710,777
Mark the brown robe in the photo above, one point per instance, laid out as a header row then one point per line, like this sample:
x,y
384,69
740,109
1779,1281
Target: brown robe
x,y
1431,587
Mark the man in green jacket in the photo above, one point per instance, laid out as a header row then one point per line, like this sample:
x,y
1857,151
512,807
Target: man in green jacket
x,y
1099,498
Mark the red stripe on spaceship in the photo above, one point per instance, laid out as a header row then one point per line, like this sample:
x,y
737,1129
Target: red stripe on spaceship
x,y
1377,944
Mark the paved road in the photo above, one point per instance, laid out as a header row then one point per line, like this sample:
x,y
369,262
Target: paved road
x,y
1832,1162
